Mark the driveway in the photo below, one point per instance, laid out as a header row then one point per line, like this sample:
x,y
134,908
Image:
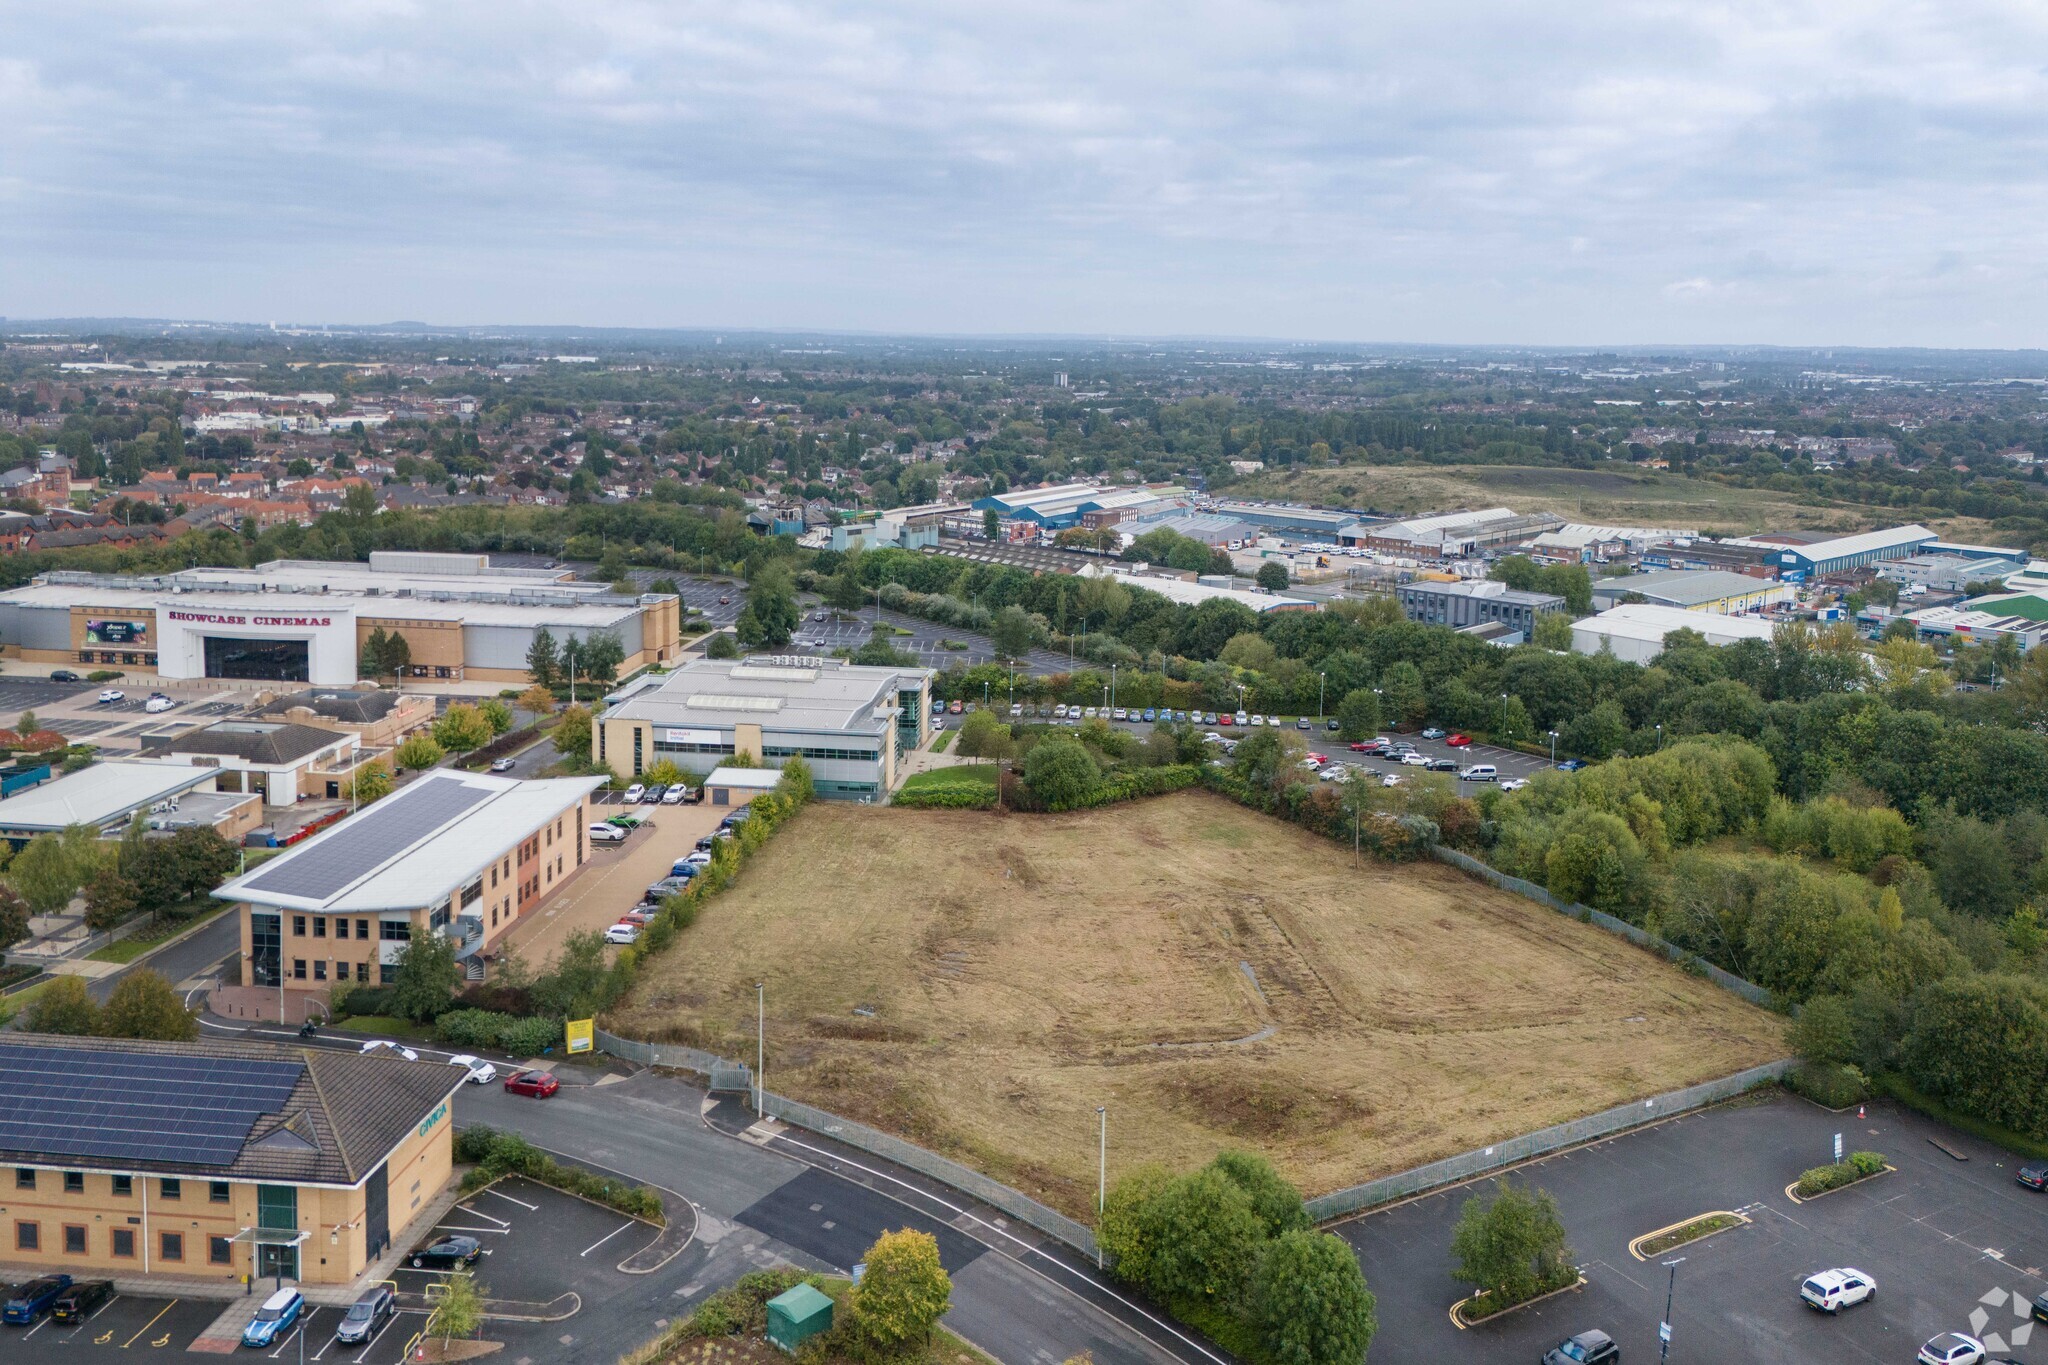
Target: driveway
x,y
612,881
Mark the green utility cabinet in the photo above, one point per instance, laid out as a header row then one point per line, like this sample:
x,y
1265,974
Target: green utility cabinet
x,y
797,1316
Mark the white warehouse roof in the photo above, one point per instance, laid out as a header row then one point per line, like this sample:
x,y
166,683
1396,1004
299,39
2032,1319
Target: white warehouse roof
x,y
1194,594
102,793
1648,623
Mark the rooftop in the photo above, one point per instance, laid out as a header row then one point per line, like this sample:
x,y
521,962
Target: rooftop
x,y
361,706
785,692
101,793
414,848
762,779
1485,587
1648,621
1194,594
222,1110
1684,587
266,742
1843,546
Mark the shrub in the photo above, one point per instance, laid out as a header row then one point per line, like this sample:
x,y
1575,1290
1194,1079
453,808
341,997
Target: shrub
x,y
1832,1085
1821,1179
475,1028
499,1154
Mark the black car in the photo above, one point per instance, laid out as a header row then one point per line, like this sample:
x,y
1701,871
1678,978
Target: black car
x,y
1587,1348
1441,765
704,844
28,1302
2034,1177
81,1300
64,675
2041,1307
450,1253
367,1315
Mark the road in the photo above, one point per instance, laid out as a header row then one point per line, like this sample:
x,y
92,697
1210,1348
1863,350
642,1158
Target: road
x,y
925,640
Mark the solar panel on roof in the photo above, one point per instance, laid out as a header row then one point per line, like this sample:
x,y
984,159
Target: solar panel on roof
x,y
370,839
136,1106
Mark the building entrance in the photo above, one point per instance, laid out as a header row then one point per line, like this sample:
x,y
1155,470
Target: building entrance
x,y
262,660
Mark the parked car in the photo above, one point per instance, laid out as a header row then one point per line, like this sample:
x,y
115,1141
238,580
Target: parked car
x,y
954,708
622,933
112,695
367,1315
639,915
81,1300
1366,746
1952,1348
476,1071
1513,784
274,1318
1336,772
1414,760
1120,713
1572,765
158,703
606,834
1239,719
1587,1348
2034,1177
1458,741
450,1253
538,1084
1479,772
674,795
668,886
1434,733
1833,1290
28,1302
1391,780
634,793
627,820
1334,725
64,675
652,796
2040,1310
501,765
379,1045
1303,724
1016,709
1440,765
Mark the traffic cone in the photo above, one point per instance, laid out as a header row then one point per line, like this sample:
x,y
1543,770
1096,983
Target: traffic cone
x,y
1859,1111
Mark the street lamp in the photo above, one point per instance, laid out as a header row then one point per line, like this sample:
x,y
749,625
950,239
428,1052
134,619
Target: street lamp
x,y
1112,687
1664,1327
1322,681
1553,748
760,1045
1102,1179
1503,715
1660,736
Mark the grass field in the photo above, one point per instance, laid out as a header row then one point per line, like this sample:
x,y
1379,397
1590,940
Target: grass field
x,y
1620,495
981,982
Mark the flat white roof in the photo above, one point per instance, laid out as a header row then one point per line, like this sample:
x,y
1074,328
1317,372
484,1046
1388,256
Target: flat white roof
x,y
1860,544
102,792
1445,521
763,779
1194,594
1647,621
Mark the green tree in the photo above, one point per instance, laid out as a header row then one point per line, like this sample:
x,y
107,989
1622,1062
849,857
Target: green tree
x,y
1276,1202
602,656
427,975
1127,1230
376,647
145,1005
49,871
1310,1302
576,981
721,646
1209,1238
1402,690
62,1006
110,898
494,710
368,785
991,524
1013,633
1510,1244
771,614
1272,576
1061,772
462,727
797,782
903,1292
14,917
397,655
459,1311
1259,758
983,735
1823,1032
543,659
572,733
1553,630
1358,715
418,752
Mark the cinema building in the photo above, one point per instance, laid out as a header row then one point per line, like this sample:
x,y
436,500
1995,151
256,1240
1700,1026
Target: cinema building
x,y
295,620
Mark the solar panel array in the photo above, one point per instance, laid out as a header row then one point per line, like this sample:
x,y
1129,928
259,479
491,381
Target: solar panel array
x,y
136,1106
368,840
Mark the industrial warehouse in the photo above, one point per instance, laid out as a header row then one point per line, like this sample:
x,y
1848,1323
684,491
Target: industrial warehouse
x,y
293,620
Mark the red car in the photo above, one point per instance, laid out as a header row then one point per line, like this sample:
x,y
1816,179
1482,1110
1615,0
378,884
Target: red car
x,y
1360,746
1458,741
538,1084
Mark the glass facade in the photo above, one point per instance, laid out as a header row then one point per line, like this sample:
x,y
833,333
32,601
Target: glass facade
x,y
266,947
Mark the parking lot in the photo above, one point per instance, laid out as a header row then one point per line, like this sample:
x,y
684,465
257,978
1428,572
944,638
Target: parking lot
x,y
612,880
1953,1245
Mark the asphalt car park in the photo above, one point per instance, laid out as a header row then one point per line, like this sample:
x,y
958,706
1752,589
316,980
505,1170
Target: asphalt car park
x,y
1953,1245
27,693
126,1323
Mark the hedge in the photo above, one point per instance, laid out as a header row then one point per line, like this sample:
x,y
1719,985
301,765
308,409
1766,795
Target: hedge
x,y
1828,1084
520,1036
499,1154
1821,1179
1118,785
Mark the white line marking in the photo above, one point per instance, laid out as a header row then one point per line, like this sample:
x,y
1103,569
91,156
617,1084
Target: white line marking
x,y
607,1237
531,1208
478,1213
451,1227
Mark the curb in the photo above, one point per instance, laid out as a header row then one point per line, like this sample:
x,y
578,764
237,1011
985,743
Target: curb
x,y
1458,1321
1740,1219
1863,1179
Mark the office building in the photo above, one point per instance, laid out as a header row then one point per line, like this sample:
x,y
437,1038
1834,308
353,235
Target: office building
x,y
1470,603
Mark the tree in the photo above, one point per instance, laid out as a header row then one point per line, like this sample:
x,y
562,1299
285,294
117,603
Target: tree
x,y
1510,1244
499,715
1013,633
602,656
1209,1238
397,655
462,727
991,524
572,733
49,871
537,700
1402,689
110,898
145,1005
1310,1301
376,646
1127,1231
543,660
370,784
459,1311
983,735
1061,772
1553,630
771,615
62,1006
1276,1202
721,646
1823,1032
427,975
1259,758
1272,576
14,917
1358,715
903,1292
419,752
797,783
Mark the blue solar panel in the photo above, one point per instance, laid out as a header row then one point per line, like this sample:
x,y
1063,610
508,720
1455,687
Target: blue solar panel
x,y
368,840
138,1106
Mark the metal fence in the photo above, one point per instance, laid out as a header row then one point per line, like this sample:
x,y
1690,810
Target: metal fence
x,y
1451,1170
1727,981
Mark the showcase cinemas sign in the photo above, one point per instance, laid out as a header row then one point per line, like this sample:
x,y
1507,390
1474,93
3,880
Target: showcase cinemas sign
x,y
213,618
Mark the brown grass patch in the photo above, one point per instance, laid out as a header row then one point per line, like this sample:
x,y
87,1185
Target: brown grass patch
x,y
980,983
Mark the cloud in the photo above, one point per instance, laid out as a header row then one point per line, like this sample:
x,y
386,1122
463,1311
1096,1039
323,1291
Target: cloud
x,y
1391,171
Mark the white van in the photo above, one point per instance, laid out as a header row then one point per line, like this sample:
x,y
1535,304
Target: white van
x,y
1480,772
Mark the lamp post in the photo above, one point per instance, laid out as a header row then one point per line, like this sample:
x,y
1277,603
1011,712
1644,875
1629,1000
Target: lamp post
x,y
1102,1178
1660,736
1503,715
1553,748
1664,1327
760,1045
1112,687
1322,681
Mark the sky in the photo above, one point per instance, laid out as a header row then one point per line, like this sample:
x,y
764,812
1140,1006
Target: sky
x,y
1491,171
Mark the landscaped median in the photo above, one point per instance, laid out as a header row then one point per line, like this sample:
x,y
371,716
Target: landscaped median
x,y
1654,1244
1822,1180
497,1155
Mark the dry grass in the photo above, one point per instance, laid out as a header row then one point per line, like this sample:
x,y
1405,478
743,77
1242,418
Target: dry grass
x,y
981,982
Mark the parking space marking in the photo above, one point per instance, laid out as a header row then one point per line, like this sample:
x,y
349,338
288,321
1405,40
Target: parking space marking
x,y
452,1227
151,1323
606,1238
475,1212
530,1208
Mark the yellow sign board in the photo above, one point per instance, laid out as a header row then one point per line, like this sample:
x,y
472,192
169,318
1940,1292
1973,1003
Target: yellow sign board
x,y
582,1035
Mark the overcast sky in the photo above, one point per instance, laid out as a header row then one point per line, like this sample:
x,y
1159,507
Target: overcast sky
x,y
1599,171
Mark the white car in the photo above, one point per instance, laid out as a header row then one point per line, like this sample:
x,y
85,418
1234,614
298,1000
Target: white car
x,y
622,933
674,795
1952,1348
478,1071
1336,772
606,834
1256,720
1310,764
698,857
634,793
1833,1290
1391,780
112,695
1414,760
376,1044
1513,784
1238,719
501,765
158,704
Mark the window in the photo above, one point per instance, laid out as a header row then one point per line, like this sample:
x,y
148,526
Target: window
x,y
319,926
363,929
24,1177
74,1239
387,974
298,969
394,930
123,1243
319,969
74,1182
219,1251
551,836
298,926
28,1236
171,1246
124,1185
217,1192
